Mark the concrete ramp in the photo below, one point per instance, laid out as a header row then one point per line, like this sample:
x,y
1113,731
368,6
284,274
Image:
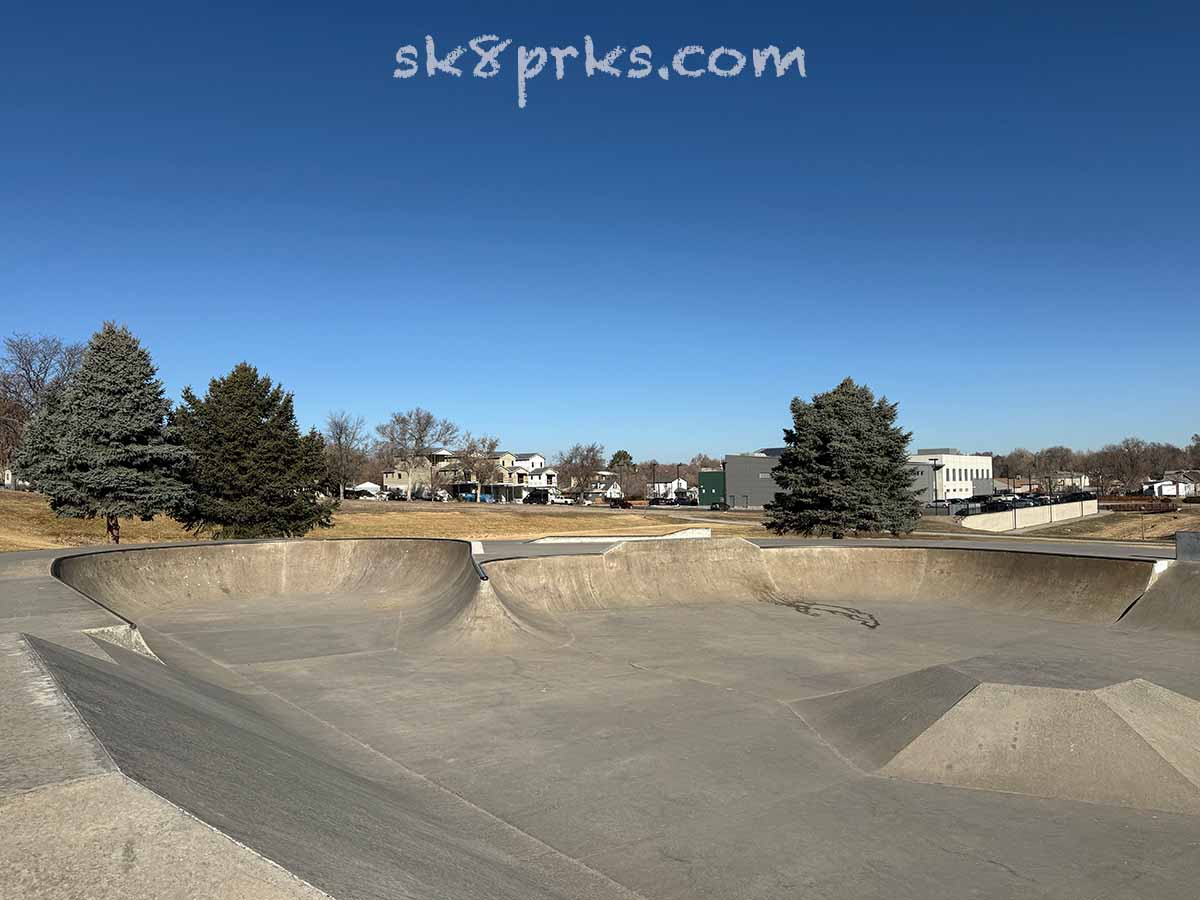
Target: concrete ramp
x,y
1131,744
870,725
1171,604
322,815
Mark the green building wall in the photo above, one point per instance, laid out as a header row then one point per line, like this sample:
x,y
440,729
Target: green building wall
x,y
712,487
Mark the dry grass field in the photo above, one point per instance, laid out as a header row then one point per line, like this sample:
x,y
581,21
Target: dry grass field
x,y
1129,526
26,523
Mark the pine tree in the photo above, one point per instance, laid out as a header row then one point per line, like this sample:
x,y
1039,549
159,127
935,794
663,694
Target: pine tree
x,y
102,444
845,468
255,474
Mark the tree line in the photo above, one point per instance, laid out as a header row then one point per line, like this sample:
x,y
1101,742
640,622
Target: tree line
x,y
91,428
1114,468
357,453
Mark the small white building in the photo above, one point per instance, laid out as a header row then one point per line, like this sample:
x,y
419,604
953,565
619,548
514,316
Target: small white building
x,y
1174,484
1065,482
675,487
603,487
954,475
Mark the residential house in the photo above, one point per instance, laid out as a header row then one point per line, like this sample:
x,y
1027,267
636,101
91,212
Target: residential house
x,y
671,487
1066,482
603,487
1179,483
516,474
520,473
1019,485
415,477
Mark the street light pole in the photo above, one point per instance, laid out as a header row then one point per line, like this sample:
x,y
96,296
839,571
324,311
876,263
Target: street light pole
x,y
934,467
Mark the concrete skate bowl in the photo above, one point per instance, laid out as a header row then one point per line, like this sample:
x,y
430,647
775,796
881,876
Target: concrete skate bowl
x,y
685,719
850,579
295,598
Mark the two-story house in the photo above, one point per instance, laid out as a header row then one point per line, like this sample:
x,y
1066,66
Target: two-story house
x,y
521,473
668,487
603,487
420,476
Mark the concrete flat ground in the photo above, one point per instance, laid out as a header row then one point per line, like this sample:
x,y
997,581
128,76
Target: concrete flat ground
x,y
703,719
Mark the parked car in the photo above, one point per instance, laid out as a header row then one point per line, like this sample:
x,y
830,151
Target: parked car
x,y
719,506
537,496
396,494
662,501
620,503
560,500
687,501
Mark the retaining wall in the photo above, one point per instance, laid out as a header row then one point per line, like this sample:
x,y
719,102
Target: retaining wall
x,y
1030,516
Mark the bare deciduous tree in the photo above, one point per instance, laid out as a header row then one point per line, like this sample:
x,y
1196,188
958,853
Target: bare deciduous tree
x,y
1016,465
345,447
1049,462
577,465
477,460
1130,461
412,436
30,368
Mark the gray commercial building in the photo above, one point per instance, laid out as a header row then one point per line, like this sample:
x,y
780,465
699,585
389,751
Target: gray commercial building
x,y
748,481
923,479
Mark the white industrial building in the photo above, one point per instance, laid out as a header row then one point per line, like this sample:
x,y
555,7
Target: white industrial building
x,y
943,473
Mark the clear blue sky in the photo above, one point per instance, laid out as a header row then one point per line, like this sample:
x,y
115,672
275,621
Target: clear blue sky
x,y
990,216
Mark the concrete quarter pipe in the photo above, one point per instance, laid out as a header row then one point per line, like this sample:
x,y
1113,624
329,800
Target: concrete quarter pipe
x,y
704,718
